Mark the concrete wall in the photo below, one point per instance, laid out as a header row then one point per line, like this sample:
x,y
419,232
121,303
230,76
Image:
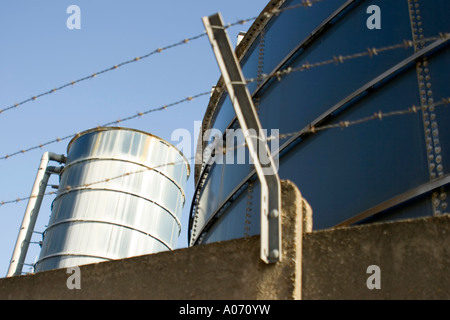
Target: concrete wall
x,y
225,270
413,257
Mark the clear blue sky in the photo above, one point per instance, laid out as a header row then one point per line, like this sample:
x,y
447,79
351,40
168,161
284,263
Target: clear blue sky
x,y
38,52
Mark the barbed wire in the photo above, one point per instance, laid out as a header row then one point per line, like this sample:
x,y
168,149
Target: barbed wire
x,y
277,11
87,185
313,129
375,116
95,74
340,59
304,3
380,115
336,60
118,121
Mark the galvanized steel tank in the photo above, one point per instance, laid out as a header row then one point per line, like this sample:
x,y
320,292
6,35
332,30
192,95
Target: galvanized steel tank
x,y
120,195
331,66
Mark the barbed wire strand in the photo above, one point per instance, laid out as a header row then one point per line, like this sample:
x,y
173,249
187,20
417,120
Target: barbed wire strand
x,y
380,115
372,52
313,129
376,116
95,74
340,59
305,3
86,185
116,122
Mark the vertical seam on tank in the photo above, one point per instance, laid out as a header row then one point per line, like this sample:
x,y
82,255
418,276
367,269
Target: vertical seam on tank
x,y
196,208
256,101
261,52
430,125
260,68
248,209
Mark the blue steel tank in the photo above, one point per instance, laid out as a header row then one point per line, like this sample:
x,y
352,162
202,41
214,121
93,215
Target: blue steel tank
x,y
359,92
120,195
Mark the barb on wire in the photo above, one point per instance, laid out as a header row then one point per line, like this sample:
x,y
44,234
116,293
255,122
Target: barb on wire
x,y
302,4
116,122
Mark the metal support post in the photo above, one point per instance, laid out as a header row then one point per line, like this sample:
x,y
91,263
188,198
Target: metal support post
x,y
31,213
248,119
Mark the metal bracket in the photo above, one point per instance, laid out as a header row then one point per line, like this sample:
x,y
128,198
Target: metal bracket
x,y
265,166
31,212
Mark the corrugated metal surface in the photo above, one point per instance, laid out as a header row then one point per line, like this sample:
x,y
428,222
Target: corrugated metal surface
x,y
120,195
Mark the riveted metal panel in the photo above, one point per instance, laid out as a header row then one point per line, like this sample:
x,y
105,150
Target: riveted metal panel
x,y
330,70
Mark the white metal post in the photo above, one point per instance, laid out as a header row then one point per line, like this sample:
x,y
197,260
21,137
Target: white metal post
x,y
31,213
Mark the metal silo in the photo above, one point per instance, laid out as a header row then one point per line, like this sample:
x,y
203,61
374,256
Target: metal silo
x,y
359,88
120,195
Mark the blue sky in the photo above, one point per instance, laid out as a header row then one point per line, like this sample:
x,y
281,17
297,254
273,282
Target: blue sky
x,y
38,53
